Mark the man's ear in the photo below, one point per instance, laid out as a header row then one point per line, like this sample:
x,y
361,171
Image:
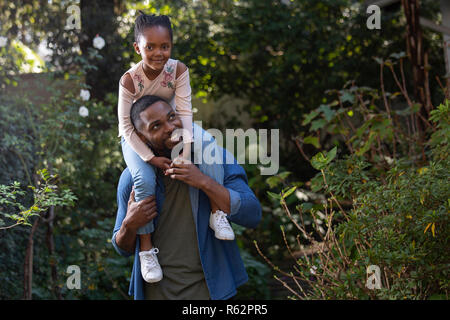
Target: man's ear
x,y
142,137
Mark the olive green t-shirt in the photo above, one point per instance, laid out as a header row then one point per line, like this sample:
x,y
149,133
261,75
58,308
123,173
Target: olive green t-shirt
x,y
176,238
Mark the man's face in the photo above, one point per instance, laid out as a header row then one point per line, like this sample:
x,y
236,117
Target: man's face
x,y
156,126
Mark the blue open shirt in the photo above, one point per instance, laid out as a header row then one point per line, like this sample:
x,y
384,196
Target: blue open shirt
x,y
221,261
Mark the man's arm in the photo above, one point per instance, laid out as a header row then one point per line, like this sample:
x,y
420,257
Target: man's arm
x,y
245,208
235,196
218,193
131,215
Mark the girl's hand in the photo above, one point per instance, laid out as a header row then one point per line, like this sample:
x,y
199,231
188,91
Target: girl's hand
x,y
160,162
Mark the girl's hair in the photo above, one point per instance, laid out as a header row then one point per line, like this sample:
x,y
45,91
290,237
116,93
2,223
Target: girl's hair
x,y
144,21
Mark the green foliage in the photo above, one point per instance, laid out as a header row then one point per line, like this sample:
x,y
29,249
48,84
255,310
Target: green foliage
x,y
398,220
439,138
272,55
44,128
321,161
257,287
45,195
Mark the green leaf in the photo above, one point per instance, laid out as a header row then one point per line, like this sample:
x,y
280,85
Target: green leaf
x,y
367,144
347,97
317,183
309,117
306,206
274,195
312,140
327,112
284,175
331,155
289,192
317,124
318,161
273,181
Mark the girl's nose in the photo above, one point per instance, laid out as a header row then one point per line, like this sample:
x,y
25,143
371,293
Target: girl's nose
x,y
158,52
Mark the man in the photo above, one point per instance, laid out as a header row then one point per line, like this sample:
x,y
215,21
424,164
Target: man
x,y
196,264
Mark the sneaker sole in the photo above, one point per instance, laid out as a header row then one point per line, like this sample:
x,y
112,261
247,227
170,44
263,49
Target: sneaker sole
x,y
226,239
221,238
153,280
218,237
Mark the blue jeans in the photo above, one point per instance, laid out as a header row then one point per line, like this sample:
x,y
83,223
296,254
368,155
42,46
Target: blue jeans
x,y
144,174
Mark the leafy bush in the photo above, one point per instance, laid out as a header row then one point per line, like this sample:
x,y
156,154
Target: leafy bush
x,y
387,200
44,196
399,223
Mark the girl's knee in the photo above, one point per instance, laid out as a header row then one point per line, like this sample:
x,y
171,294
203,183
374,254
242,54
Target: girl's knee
x,y
144,183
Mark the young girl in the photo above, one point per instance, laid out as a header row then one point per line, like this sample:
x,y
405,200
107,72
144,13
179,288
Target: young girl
x,y
158,74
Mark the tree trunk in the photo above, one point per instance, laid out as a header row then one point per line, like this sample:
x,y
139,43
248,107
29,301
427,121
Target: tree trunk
x,y
414,47
51,252
28,264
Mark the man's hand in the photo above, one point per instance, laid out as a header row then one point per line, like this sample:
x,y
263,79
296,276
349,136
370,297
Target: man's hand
x,y
140,213
162,163
184,170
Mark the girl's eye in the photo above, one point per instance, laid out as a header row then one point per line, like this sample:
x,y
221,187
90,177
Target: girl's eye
x,y
155,127
172,116
149,47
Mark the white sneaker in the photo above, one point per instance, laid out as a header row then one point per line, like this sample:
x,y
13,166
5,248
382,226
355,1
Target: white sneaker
x,y
219,223
150,268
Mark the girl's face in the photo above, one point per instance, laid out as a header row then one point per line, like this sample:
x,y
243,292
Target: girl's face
x,y
155,47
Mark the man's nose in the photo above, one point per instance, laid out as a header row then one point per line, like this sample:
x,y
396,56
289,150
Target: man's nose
x,y
169,128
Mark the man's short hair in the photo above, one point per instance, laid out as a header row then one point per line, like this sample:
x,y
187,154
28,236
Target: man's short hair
x,y
141,105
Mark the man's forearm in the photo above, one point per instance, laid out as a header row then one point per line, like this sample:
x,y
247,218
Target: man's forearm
x,y
217,193
126,237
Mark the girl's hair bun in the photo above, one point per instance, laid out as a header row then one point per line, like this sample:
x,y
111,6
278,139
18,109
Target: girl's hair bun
x,y
144,21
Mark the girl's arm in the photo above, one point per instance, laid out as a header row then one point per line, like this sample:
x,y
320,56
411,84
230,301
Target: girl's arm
x,y
126,128
183,105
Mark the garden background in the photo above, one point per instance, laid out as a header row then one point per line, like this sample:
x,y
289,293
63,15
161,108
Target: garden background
x,y
364,126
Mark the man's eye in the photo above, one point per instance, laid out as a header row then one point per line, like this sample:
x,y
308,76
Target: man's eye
x,y
172,116
155,127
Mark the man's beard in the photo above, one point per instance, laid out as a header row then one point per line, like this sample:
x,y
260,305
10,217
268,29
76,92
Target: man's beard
x,y
164,152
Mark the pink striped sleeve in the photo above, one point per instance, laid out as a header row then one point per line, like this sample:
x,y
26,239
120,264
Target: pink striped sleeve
x,y
126,128
183,103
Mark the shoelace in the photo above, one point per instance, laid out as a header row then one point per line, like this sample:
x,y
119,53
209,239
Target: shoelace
x,y
150,257
222,221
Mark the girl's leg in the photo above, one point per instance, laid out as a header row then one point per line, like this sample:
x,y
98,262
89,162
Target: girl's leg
x,y
144,179
146,242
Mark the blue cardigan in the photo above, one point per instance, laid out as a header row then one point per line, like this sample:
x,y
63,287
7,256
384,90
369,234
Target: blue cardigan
x,y
222,264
